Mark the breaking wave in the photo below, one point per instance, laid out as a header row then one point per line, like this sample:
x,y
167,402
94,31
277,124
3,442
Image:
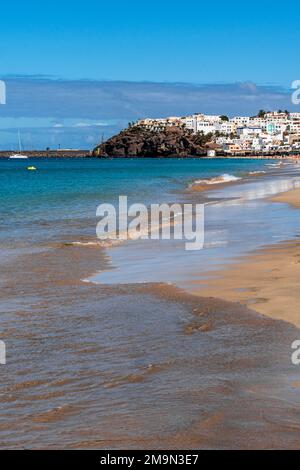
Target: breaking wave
x,y
253,173
225,178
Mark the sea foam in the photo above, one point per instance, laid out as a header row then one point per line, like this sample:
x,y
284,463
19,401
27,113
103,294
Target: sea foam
x,y
225,178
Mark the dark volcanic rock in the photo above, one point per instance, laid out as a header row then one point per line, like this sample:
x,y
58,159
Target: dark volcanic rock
x,y
136,141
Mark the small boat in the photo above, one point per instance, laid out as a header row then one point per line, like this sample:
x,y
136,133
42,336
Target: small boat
x,y
31,168
18,155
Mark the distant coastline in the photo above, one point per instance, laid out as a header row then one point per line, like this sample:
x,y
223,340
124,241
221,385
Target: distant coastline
x,y
49,153
89,155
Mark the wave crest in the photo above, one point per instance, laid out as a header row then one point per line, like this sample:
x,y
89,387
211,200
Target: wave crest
x,y
221,179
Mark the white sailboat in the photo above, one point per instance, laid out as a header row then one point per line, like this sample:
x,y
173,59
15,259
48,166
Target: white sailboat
x,y
19,155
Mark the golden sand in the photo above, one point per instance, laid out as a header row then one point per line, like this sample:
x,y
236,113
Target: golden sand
x,y
268,281
291,197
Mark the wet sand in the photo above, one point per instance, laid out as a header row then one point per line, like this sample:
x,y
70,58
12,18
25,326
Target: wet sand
x,y
267,281
290,197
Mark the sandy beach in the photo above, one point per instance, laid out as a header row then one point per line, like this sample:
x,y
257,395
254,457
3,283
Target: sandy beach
x,y
290,197
266,281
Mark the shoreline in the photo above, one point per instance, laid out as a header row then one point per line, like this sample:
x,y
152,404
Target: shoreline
x,y
191,192
290,197
265,280
85,154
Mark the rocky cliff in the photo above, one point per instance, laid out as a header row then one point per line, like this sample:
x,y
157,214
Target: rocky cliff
x,y
136,141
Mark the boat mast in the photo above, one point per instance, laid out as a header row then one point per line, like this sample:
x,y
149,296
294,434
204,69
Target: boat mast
x,y
19,136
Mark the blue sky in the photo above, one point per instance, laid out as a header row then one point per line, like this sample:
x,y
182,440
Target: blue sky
x,y
72,50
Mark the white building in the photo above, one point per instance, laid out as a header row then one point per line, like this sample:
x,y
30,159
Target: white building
x,y
275,127
189,122
241,121
205,127
248,131
226,127
276,116
256,144
212,118
258,122
295,116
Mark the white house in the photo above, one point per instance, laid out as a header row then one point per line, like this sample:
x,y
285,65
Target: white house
x,y
256,144
295,116
241,121
276,116
205,127
212,118
248,131
226,127
189,122
294,127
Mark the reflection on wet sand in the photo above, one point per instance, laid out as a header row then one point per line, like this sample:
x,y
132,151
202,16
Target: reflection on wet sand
x,y
137,366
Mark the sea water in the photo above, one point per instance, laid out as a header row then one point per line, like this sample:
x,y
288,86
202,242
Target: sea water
x,y
129,361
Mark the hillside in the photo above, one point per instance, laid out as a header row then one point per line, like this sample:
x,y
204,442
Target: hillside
x,y
136,141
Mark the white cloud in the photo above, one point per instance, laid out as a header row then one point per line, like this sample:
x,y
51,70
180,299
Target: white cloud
x,y
45,106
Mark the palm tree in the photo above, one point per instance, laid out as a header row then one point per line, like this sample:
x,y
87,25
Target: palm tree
x,y
261,113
